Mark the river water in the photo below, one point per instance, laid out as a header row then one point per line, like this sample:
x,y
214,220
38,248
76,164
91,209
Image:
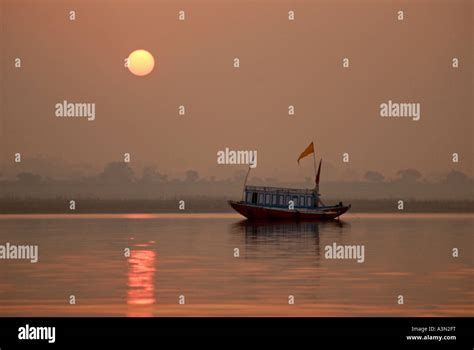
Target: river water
x,y
221,265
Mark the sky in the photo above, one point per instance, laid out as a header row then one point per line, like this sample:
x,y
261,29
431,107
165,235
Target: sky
x,y
282,63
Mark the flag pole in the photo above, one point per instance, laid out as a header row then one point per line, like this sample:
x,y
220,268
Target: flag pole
x,y
245,183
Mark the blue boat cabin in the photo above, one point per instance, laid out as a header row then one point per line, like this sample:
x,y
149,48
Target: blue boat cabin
x,y
277,197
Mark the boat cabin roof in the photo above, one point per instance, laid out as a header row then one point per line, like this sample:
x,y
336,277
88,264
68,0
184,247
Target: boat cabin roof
x,y
280,190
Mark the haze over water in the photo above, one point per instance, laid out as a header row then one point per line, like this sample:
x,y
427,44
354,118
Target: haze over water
x,y
193,255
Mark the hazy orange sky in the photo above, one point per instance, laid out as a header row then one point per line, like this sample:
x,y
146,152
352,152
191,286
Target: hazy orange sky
x,y
282,63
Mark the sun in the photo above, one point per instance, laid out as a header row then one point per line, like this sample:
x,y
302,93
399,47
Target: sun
x,y
141,62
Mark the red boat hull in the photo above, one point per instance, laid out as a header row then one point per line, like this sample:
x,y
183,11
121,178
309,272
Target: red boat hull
x,y
253,212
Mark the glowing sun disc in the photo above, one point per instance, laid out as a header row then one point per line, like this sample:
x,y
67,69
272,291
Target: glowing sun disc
x,y
141,62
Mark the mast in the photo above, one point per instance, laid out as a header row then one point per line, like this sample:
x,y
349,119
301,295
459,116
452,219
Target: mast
x,y
315,173
317,181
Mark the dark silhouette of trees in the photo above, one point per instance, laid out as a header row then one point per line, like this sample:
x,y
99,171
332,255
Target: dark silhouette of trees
x,y
374,176
29,178
409,175
150,175
191,176
117,172
457,178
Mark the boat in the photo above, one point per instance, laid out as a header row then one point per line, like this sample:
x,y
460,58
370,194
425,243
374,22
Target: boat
x,y
270,203
278,203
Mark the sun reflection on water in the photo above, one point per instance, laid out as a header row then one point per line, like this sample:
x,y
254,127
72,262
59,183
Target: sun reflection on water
x,y
141,279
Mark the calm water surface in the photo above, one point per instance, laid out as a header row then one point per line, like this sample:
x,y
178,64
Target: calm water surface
x,y
193,255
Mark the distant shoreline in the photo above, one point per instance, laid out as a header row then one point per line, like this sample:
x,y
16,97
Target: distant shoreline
x,y
220,216
210,205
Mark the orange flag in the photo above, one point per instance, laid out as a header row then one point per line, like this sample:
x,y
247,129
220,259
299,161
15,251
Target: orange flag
x,y
309,150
